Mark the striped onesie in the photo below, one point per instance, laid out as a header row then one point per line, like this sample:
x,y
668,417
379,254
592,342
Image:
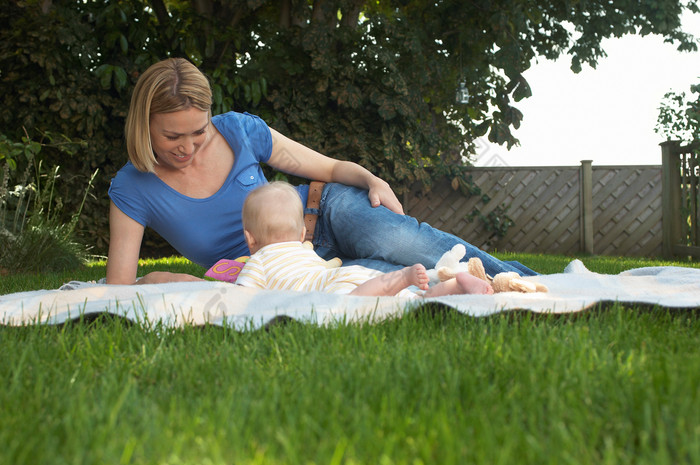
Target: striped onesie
x,y
289,266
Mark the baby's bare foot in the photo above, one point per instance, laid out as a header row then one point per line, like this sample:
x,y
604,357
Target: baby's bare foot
x,y
472,285
416,275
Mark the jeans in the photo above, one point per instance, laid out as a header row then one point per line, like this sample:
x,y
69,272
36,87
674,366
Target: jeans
x,y
350,228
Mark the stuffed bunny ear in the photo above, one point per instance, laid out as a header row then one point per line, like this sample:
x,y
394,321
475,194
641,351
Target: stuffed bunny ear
x,y
520,285
541,287
512,282
444,273
458,251
449,264
475,267
451,258
501,282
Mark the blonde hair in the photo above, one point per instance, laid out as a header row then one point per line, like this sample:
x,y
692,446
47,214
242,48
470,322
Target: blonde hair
x,y
167,86
273,213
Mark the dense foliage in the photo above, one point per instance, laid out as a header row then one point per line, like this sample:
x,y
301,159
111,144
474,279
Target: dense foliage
x,y
679,116
34,233
373,82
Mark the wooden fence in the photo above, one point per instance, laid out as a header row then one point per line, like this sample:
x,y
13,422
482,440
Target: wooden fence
x,y
681,199
611,210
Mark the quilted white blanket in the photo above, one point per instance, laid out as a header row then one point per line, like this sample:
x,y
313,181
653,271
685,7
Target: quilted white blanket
x,y
220,303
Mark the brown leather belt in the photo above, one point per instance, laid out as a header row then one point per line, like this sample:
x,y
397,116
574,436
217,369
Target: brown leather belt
x,y
313,202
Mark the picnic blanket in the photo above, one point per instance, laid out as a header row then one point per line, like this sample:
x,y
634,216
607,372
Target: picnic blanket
x,y
220,303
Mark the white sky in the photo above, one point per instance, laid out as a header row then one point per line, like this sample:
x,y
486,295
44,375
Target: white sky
x,y
605,114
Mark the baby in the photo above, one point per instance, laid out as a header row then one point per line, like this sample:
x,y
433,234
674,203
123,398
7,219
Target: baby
x,y
273,224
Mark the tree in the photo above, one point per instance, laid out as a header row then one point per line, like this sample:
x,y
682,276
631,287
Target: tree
x,y
679,116
373,82
64,75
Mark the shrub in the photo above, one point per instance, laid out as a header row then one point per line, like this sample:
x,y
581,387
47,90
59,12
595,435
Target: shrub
x,y
33,236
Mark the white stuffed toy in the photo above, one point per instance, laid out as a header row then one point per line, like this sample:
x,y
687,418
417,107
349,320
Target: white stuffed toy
x,y
449,265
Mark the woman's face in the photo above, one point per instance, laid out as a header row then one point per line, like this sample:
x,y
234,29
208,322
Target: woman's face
x,y
177,137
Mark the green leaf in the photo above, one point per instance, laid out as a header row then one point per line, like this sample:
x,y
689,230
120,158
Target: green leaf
x,y
386,110
482,128
513,116
255,92
217,94
499,134
104,72
210,47
247,92
32,149
576,64
522,90
120,78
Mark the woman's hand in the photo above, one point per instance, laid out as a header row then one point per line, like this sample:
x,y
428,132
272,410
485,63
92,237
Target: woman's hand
x,y
380,193
159,277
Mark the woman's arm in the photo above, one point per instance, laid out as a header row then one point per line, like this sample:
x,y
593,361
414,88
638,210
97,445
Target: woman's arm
x,y
294,158
125,237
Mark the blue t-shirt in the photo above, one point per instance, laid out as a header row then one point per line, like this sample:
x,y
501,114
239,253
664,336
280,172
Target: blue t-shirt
x,y
203,230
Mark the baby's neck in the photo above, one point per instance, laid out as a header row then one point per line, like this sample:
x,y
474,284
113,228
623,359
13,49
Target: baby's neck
x,y
260,246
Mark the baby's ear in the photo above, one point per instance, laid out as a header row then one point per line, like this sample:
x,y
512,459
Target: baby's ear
x,y
303,235
249,239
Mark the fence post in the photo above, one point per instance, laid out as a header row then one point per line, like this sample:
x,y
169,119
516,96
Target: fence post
x,y
586,206
670,196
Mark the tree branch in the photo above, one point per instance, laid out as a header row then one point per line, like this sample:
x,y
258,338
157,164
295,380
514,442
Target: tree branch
x,y
203,7
237,17
317,14
161,12
351,15
46,6
233,22
285,14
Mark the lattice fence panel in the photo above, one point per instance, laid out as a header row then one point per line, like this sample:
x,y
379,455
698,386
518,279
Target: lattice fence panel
x,y
544,203
627,210
547,219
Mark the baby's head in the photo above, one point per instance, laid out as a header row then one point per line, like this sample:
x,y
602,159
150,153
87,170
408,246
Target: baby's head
x,y
273,213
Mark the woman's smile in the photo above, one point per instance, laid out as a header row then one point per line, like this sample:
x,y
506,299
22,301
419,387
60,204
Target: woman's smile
x,y
176,137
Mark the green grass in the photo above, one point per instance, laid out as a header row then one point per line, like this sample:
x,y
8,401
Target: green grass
x,y
545,264
616,385
93,271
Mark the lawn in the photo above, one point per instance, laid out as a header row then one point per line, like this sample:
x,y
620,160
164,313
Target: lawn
x,y
613,385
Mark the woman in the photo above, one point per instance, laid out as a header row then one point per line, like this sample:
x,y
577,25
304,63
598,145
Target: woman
x,y
189,174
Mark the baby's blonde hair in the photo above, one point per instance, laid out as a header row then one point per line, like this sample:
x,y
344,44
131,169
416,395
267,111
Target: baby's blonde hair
x,y
274,213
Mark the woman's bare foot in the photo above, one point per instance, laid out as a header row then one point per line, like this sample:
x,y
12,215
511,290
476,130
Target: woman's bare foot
x,y
462,283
